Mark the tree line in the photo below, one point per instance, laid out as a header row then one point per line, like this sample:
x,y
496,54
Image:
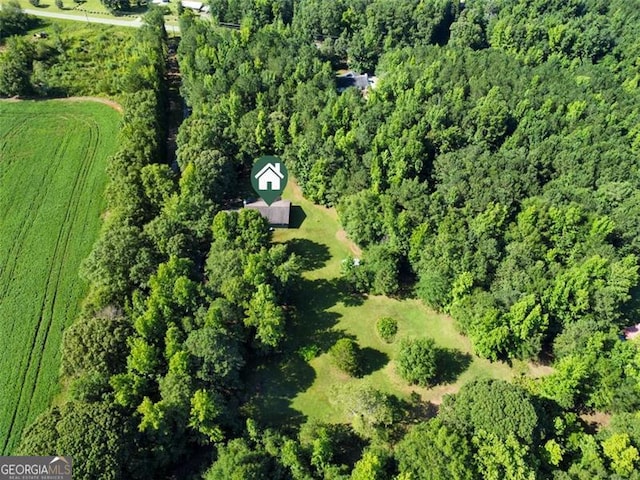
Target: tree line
x,y
17,56
181,295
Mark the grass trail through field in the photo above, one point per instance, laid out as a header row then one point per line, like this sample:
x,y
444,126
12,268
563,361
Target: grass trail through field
x,y
289,389
52,177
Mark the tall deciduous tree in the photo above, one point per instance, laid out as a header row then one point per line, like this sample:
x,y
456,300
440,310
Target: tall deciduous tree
x,y
238,460
96,435
495,407
96,344
432,451
266,316
16,66
417,361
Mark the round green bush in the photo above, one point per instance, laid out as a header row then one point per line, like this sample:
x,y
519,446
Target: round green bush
x,y
387,328
309,352
417,361
345,354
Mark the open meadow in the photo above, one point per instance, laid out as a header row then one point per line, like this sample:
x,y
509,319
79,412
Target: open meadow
x,y
289,388
52,177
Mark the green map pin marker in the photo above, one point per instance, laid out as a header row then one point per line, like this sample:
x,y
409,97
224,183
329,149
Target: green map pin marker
x,y
269,177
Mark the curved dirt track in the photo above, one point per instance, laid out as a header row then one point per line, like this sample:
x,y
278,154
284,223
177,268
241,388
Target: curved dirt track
x,y
111,103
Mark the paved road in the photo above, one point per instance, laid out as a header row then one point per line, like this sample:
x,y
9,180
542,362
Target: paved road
x,y
136,22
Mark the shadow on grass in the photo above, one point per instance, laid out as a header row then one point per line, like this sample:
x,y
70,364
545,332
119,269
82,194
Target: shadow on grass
x,y
372,360
418,410
35,22
137,9
348,295
312,255
347,445
273,384
297,216
311,323
450,364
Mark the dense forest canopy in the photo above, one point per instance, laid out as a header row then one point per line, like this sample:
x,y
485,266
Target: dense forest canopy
x,y
493,171
498,168
503,177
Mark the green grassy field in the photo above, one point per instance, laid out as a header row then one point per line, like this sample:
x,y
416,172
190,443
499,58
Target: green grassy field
x,y
52,177
288,388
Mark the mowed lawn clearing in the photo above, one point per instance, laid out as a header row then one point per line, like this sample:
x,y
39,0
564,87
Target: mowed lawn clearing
x,y
52,178
288,389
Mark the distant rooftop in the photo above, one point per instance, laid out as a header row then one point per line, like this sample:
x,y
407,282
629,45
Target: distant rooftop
x,y
351,79
193,5
632,332
197,6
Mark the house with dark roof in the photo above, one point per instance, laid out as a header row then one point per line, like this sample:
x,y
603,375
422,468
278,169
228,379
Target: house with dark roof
x,y
351,79
277,214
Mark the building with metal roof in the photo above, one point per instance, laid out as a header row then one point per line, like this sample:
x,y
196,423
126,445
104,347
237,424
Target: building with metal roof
x,y
278,213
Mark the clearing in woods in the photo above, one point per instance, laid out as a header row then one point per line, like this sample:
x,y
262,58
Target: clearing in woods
x,y
288,388
52,178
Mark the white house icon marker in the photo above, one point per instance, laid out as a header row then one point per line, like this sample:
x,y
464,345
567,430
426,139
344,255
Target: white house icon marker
x,y
269,177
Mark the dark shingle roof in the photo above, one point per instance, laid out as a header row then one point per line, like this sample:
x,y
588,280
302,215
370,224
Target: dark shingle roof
x,y
277,213
361,81
350,79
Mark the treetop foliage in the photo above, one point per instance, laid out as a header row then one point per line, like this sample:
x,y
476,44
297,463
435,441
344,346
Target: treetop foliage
x,y
13,21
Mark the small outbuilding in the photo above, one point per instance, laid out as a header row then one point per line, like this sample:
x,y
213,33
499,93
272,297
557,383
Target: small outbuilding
x,y
277,214
192,5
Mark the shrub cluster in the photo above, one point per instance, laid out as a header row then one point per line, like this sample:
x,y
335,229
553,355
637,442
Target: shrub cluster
x,y
417,361
345,354
387,328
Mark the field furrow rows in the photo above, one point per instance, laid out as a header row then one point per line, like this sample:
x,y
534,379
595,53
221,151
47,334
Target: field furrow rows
x,y
19,357
28,216
72,218
51,200
27,385
24,383
12,199
17,127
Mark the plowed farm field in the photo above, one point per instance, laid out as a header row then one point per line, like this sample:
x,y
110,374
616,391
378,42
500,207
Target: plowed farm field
x,y
52,178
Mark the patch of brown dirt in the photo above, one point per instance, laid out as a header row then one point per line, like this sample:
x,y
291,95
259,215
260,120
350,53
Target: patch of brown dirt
x,y
342,236
111,103
537,370
598,419
440,391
